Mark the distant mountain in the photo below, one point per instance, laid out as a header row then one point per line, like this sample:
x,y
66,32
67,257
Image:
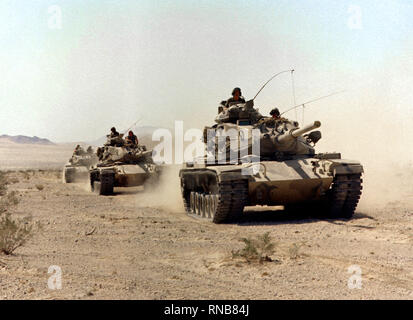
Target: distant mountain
x,y
25,140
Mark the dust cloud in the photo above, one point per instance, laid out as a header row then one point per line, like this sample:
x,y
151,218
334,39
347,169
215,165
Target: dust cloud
x,y
165,193
372,125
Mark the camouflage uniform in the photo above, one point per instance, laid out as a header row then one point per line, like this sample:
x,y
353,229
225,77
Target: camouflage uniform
x,y
79,151
131,140
232,101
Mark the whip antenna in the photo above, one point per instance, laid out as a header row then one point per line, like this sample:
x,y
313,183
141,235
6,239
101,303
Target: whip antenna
x,y
134,124
311,101
270,80
293,88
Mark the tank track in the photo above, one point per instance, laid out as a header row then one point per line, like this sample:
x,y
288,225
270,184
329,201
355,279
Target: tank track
x,y
104,184
224,206
344,195
68,174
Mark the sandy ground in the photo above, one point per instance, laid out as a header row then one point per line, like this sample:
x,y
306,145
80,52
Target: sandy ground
x,y
15,156
136,245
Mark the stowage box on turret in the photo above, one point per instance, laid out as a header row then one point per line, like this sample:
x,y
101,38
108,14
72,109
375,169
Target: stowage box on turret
x,y
122,165
283,170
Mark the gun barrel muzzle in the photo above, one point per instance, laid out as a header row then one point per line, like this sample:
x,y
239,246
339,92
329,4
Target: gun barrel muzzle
x,y
298,132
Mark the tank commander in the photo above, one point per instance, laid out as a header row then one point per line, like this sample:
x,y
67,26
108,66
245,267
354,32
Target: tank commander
x,y
114,138
99,153
236,98
113,133
275,114
79,150
131,139
274,119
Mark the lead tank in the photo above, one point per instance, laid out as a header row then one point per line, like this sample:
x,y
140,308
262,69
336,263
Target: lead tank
x,y
284,170
122,165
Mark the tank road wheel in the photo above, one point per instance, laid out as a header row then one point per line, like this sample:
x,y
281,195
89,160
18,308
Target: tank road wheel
x,y
203,205
344,196
230,201
192,202
207,206
214,204
187,197
106,183
222,203
197,204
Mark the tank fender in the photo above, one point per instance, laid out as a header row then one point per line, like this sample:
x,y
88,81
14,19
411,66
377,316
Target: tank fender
x,y
232,176
341,166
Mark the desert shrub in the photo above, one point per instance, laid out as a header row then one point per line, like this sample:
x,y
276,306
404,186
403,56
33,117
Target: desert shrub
x,y
26,174
13,232
14,180
257,250
11,199
39,187
294,250
3,183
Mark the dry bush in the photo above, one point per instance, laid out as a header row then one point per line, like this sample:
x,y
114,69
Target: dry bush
x,y
39,187
3,183
294,250
256,250
13,232
26,175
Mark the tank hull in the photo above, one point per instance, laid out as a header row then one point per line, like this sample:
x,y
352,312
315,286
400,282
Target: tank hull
x,y
78,167
126,175
75,173
290,182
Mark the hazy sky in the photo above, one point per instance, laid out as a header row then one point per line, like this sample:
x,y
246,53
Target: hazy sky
x,y
112,62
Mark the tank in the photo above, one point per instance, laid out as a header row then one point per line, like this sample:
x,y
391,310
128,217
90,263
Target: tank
x,y
122,165
78,166
284,170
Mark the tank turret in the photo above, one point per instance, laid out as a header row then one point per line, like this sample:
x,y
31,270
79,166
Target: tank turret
x,y
111,154
289,139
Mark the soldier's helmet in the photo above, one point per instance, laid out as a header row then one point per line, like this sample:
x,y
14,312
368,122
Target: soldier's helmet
x,y
235,90
275,112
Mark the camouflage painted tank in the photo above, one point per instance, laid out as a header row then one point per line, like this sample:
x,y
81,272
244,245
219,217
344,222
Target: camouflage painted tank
x,y
284,170
121,165
78,166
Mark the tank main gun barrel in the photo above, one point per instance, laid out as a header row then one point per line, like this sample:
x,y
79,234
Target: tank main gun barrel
x,y
294,133
298,132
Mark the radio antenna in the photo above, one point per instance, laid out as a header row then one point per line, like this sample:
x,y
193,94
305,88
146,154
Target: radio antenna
x,y
311,101
134,124
277,74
